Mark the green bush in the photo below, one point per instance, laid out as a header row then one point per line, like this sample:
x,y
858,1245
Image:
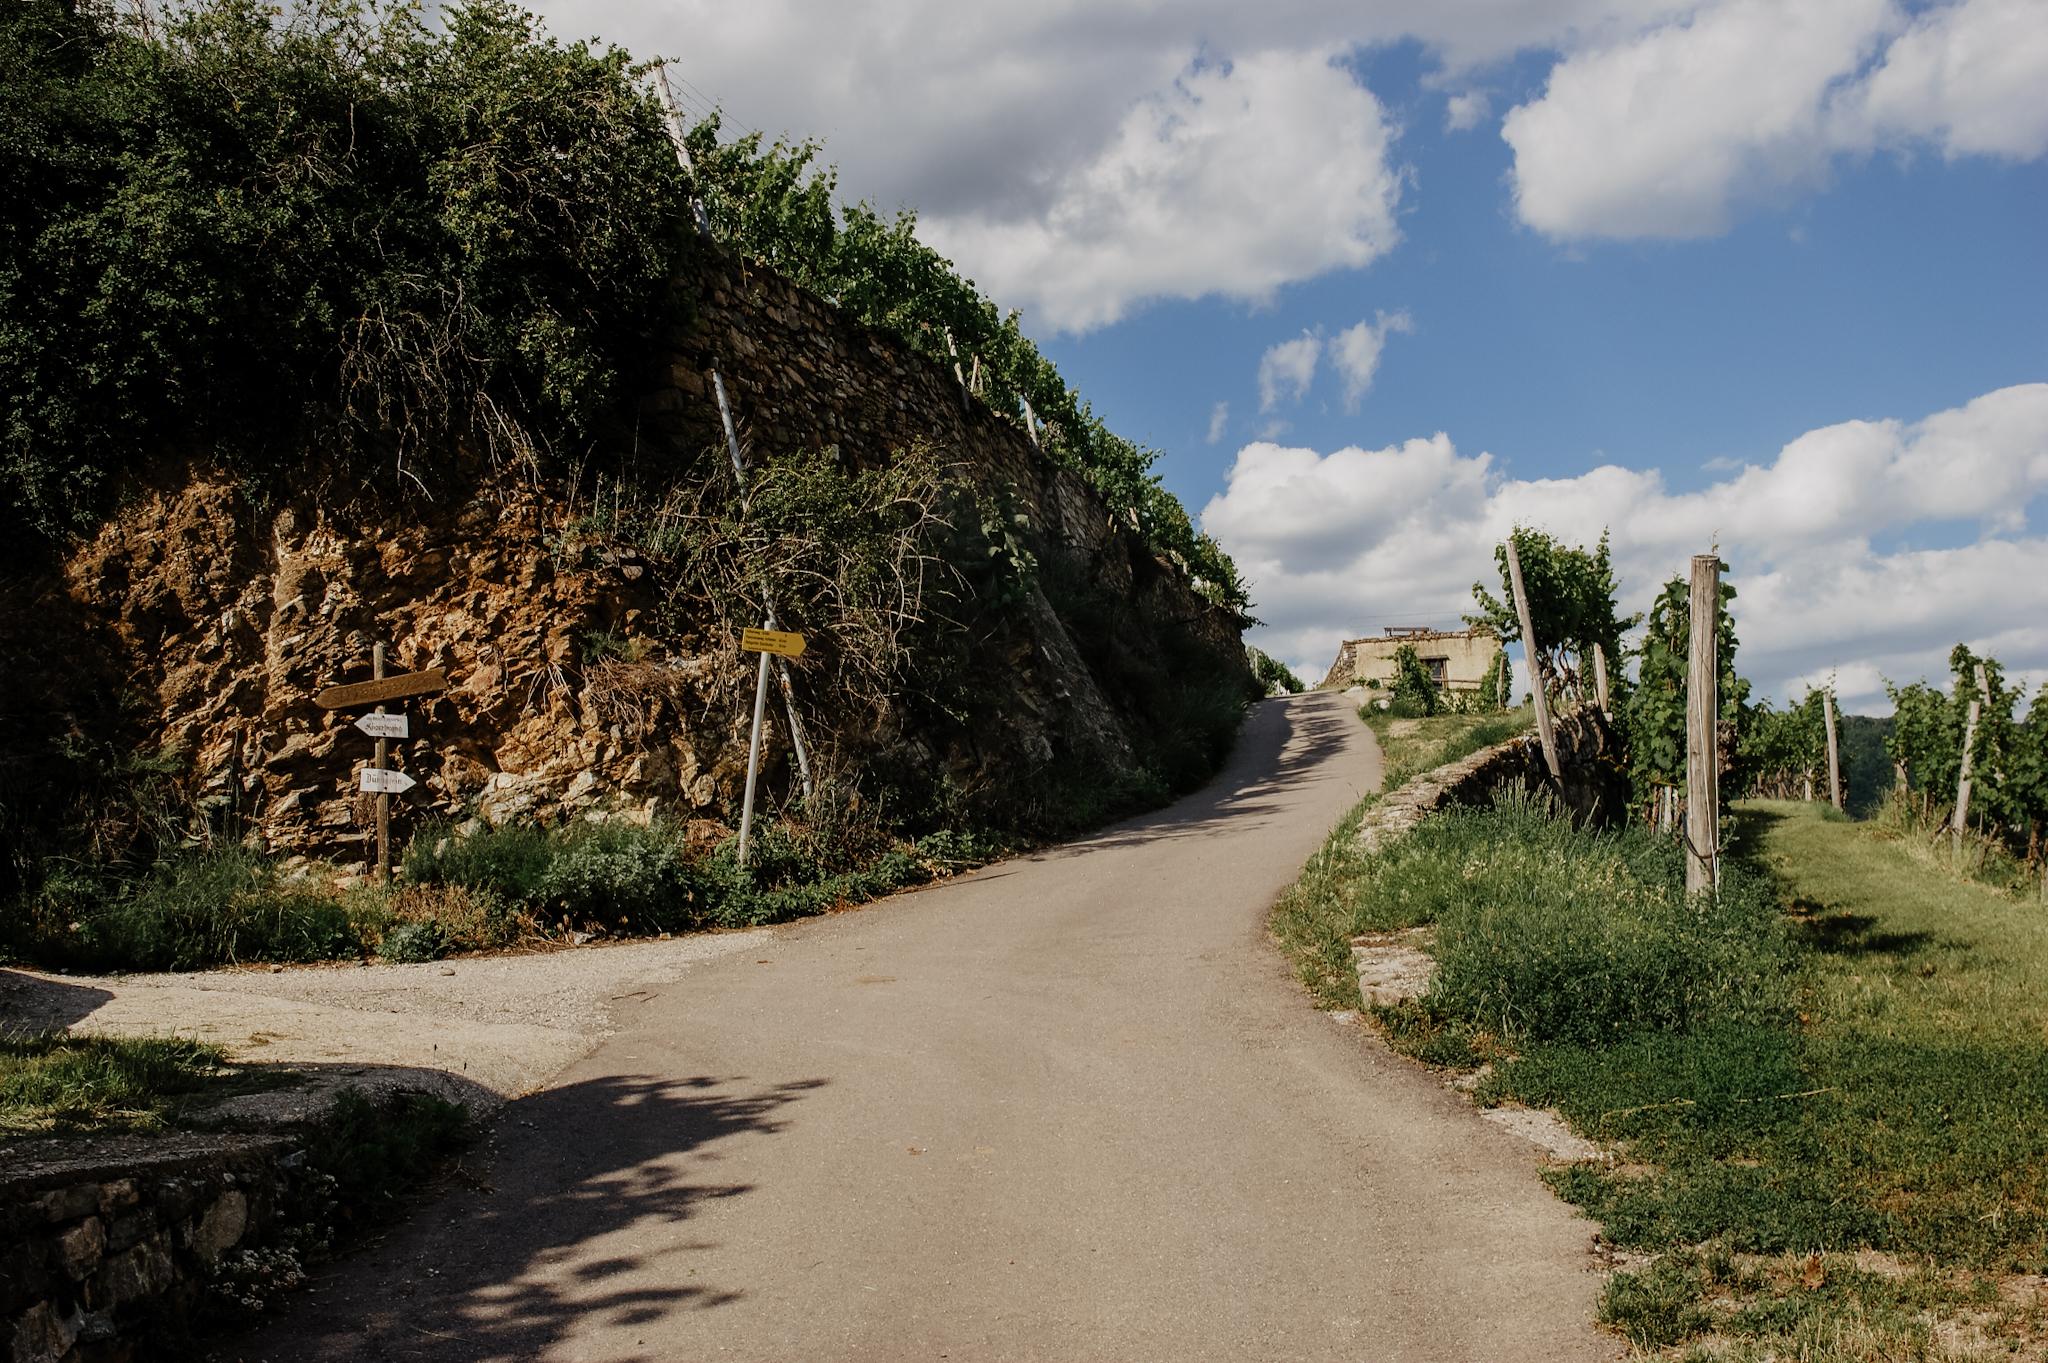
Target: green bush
x,y
203,909
1546,933
413,942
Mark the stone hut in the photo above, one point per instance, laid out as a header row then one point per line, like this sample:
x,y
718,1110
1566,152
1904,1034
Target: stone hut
x,y
1458,660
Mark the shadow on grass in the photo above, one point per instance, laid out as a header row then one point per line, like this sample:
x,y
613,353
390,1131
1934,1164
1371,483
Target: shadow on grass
x,y
579,1235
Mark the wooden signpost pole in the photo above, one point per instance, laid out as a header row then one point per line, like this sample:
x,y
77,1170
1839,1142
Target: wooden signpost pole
x,y
1702,743
383,797
1962,818
1600,677
1827,706
1529,653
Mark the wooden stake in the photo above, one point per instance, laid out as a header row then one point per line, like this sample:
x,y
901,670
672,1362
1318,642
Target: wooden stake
x,y
1702,742
384,797
1030,422
1827,706
1977,704
965,405
796,726
1535,668
1600,677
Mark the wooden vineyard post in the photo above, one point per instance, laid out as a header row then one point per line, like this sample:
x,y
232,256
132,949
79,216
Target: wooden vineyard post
x,y
1600,677
1031,423
1977,704
1535,669
1702,743
1827,707
383,797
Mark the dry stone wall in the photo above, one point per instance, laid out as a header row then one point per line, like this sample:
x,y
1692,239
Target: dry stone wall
x,y
213,624
101,1257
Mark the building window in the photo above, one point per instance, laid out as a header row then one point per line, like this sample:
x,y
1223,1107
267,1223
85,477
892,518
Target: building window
x,y
1436,670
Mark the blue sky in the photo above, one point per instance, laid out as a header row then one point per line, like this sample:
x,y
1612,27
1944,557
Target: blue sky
x,y
1381,279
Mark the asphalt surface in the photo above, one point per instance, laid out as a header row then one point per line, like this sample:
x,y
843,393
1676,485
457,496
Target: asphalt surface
x,y
1070,1107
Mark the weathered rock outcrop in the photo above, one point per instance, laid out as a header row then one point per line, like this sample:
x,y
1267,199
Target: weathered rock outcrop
x,y
219,621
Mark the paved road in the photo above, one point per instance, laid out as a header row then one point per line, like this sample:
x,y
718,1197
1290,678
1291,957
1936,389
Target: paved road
x,y
1070,1107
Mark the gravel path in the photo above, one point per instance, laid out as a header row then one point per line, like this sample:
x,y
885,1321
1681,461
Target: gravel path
x,y
502,1025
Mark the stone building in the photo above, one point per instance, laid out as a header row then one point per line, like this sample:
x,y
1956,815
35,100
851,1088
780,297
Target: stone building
x,y
1458,660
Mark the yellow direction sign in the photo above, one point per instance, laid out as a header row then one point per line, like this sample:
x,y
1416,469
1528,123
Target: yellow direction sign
x,y
788,644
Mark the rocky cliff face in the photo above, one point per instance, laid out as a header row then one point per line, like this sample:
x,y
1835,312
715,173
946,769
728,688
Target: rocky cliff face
x,y
197,619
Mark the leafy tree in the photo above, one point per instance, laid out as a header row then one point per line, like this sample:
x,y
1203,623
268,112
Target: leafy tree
x,y
1653,716
773,205
1785,751
1571,607
261,236
2009,760
1275,676
1414,689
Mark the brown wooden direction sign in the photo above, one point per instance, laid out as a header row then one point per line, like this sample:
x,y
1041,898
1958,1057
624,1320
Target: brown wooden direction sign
x,y
788,643
377,692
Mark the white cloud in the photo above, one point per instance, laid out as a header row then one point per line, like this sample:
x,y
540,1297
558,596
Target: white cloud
x,y
1336,545
1356,353
1219,421
1078,159
1288,365
1662,133
1236,179
1467,111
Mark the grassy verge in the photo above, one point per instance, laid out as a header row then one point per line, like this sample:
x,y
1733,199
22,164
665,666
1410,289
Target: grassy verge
x,y
54,1084
1320,913
1828,1090
486,890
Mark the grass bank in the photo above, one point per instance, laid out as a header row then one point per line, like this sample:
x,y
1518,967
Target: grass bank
x,y
1320,913
1828,1091
57,1085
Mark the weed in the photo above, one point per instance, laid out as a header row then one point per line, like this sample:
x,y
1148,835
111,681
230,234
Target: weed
x,y
57,1083
375,1156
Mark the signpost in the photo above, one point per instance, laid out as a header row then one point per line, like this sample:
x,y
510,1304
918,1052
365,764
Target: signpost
x,y
764,642
378,778
774,641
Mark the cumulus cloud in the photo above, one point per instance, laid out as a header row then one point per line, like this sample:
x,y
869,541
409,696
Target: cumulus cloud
x,y
1238,178
1356,353
1078,159
1467,111
1219,421
1336,545
1662,133
1289,365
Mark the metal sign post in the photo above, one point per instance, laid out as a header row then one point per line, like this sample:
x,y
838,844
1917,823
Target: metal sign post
x,y
765,642
739,473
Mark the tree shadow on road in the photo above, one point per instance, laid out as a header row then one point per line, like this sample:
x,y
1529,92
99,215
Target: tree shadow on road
x,y
577,1235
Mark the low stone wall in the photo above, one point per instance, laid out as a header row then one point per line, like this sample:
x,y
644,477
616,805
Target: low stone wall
x,y
98,1252
1594,786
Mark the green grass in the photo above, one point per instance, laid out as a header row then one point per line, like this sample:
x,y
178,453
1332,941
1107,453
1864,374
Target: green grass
x,y
1320,913
1903,1109
53,1084
1843,1058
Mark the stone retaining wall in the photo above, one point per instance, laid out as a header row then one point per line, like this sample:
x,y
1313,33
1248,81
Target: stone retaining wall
x,y
99,1253
1594,786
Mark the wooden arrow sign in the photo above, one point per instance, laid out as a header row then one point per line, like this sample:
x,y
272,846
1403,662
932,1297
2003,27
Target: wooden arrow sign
x,y
379,781
385,726
377,692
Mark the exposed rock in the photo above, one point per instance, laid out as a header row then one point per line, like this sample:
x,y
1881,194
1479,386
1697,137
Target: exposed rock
x,y
226,620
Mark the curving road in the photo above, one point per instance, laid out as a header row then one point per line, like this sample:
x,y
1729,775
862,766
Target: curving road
x,y
1072,1106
